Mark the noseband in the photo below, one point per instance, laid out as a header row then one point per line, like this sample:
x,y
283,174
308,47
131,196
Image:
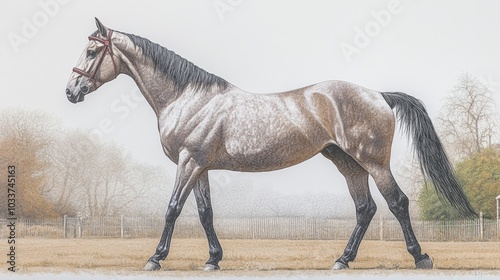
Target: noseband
x,y
107,48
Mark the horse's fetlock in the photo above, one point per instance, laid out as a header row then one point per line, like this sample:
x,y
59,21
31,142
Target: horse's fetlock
x,y
414,249
216,254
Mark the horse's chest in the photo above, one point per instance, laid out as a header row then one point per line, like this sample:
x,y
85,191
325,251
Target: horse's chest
x,y
169,141
173,156
194,135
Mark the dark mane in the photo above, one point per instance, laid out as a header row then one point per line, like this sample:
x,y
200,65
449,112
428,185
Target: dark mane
x,y
181,71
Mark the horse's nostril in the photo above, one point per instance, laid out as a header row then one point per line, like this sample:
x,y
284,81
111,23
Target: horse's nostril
x,y
68,93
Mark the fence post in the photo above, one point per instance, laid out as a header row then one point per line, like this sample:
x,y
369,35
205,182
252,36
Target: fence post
x,y
481,225
121,226
79,226
381,228
65,226
498,215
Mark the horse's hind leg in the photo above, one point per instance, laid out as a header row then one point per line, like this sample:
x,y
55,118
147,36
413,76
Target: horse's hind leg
x,y
202,194
357,181
398,204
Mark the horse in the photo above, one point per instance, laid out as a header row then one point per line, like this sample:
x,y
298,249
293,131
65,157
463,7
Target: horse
x,y
206,123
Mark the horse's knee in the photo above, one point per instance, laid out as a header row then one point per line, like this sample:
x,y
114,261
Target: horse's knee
x,y
366,211
173,212
369,208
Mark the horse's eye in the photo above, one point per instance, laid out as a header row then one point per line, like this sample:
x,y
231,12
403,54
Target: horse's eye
x,y
91,54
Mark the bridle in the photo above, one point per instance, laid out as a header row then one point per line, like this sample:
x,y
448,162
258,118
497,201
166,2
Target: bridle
x,y
107,48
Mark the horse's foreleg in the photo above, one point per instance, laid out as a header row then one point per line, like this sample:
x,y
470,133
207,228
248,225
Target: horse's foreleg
x,y
187,176
398,204
202,194
357,181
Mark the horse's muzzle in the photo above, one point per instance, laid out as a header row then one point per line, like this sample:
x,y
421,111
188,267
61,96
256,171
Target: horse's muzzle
x,y
75,98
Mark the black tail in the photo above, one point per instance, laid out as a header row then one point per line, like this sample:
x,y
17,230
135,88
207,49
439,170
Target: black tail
x,y
433,160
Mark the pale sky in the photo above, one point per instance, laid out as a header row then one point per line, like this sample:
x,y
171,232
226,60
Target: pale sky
x,y
417,47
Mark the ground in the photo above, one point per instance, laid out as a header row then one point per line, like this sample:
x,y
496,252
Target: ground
x,y
130,255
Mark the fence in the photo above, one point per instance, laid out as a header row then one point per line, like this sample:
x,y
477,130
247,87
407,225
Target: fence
x,y
250,228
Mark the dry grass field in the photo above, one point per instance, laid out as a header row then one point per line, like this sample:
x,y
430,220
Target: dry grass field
x,y
57,255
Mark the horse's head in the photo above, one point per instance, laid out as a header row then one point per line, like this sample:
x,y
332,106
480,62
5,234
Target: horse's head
x,y
97,65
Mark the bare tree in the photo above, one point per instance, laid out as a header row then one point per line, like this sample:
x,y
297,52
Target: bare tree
x,y
67,172
97,179
411,181
24,139
467,122
152,187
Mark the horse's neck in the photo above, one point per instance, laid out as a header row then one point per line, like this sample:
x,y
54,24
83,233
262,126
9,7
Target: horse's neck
x,y
152,86
158,90
155,88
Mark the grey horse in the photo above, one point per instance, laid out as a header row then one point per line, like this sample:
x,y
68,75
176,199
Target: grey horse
x,y
206,123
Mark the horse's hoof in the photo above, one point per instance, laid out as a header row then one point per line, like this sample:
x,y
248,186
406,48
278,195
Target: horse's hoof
x,y
426,263
151,266
211,267
340,266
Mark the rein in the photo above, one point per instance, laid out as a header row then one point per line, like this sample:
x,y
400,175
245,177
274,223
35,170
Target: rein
x,y
107,48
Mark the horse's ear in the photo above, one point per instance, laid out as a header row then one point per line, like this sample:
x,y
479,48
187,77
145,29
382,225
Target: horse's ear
x,y
102,29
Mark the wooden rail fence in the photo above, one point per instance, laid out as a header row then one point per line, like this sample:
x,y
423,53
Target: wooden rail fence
x,y
250,228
